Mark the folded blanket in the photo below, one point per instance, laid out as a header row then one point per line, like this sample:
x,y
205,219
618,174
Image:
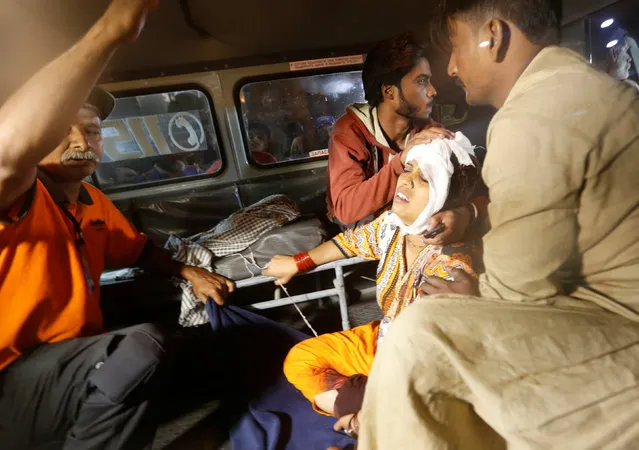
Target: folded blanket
x,y
232,235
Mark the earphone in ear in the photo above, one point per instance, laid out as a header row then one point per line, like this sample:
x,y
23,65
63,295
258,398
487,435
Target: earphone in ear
x,y
485,44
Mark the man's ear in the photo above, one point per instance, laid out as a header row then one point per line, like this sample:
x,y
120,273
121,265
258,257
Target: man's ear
x,y
388,92
498,33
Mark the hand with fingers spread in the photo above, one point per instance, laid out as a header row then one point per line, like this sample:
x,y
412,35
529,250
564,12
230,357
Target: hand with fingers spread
x,y
281,267
455,224
426,136
462,283
125,19
208,284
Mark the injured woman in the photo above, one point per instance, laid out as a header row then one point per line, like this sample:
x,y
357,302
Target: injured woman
x,y
331,370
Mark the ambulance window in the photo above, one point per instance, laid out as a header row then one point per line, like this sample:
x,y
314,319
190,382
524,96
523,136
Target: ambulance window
x,y
155,138
290,119
573,36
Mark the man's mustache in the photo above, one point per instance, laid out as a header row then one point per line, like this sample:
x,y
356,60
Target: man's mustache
x,y
71,155
460,83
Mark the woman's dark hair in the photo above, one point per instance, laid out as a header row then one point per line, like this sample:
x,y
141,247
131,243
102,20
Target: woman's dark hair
x,y
463,183
539,20
388,62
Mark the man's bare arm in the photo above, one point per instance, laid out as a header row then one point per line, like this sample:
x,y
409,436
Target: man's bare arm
x,y
34,120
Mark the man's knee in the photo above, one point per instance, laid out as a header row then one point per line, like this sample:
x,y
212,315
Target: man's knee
x,y
420,316
136,366
417,341
155,334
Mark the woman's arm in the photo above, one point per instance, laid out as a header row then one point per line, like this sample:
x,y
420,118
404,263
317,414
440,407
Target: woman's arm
x,y
284,267
350,243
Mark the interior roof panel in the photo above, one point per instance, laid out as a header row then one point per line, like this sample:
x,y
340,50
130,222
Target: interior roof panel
x,y
245,28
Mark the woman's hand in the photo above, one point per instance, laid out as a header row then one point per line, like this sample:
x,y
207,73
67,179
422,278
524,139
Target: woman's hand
x,y
281,267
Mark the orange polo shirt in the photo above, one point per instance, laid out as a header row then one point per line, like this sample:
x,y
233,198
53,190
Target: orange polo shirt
x,y
45,296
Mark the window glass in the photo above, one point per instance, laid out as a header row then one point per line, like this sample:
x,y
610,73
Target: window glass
x,y
573,36
614,33
157,137
291,119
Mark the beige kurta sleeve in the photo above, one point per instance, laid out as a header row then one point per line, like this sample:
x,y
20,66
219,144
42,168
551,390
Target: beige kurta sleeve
x,y
534,175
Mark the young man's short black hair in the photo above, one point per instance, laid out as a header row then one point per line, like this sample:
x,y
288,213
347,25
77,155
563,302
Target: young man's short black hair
x,y
388,62
539,20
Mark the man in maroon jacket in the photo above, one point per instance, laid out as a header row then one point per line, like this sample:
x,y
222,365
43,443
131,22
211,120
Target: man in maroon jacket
x,y
367,145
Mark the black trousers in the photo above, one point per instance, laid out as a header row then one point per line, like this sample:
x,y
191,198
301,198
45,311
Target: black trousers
x,y
86,393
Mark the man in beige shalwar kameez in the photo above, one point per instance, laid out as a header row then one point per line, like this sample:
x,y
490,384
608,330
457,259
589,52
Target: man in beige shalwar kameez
x,y
544,352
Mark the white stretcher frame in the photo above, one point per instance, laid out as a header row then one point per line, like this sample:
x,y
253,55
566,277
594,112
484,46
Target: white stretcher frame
x,y
339,289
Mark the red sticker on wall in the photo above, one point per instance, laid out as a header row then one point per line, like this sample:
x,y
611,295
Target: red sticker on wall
x,y
326,62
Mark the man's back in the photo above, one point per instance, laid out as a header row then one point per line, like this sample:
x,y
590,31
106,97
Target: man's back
x,y
565,200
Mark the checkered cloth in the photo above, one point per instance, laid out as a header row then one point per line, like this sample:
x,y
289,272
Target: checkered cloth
x,y
232,235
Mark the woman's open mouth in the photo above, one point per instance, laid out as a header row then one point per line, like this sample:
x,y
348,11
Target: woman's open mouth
x,y
401,197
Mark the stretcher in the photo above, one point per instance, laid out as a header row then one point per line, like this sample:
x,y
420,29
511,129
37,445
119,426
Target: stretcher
x,y
338,289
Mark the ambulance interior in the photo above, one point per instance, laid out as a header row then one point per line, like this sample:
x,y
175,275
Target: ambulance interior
x,y
222,104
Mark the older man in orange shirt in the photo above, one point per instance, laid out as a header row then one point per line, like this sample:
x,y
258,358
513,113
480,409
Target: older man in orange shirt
x,y
62,382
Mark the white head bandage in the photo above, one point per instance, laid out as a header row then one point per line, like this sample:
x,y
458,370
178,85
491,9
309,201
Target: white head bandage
x,y
434,162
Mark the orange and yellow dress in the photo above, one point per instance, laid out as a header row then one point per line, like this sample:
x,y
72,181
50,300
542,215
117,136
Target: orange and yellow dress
x,y
323,363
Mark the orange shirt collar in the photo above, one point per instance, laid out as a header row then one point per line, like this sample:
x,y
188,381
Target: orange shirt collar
x,y
56,193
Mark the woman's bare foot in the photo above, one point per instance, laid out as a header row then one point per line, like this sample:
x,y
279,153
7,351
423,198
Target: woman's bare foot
x,y
326,401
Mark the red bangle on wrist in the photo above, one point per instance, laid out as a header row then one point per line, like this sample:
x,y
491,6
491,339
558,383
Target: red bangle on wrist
x,y
304,262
